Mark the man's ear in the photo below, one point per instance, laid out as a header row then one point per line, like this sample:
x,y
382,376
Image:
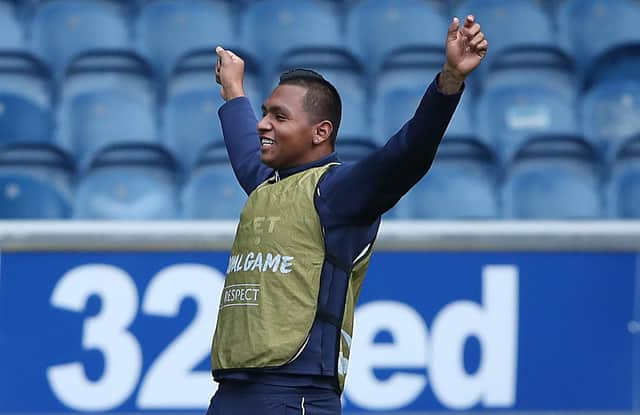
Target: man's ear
x,y
322,132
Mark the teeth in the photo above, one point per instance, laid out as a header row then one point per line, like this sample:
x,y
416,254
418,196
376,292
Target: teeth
x,y
266,141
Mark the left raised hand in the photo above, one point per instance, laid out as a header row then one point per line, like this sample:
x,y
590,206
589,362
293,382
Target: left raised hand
x,y
465,49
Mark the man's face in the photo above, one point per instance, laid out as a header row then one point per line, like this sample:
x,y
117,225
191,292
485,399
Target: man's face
x,y
286,131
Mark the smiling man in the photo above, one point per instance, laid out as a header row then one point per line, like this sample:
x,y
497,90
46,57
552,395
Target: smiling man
x,y
305,235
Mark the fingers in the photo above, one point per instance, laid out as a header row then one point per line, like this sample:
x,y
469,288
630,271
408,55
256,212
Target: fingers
x,y
219,51
482,47
470,28
475,41
223,55
452,32
469,20
475,38
218,66
229,73
226,55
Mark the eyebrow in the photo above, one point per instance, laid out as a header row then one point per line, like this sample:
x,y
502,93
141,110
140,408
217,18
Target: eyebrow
x,y
275,108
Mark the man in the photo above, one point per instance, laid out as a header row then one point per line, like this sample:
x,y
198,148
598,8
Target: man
x,y
305,235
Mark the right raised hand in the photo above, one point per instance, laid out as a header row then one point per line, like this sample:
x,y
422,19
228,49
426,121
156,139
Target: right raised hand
x,y
229,74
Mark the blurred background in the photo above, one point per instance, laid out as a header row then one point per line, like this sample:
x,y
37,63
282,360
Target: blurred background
x,y
506,281
108,109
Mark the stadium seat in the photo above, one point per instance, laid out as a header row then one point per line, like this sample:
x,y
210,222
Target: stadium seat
x,y
355,121
129,182
551,67
23,120
168,29
623,187
462,124
11,33
610,113
22,74
354,150
604,24
461,184
274,28
190,116
510,111
212,191
107,98
392,110
617,64
382,29
516,26
407,71
35,182
62,29
396,106
553,179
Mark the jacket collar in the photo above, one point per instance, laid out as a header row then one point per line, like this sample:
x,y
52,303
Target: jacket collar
x,y
281,174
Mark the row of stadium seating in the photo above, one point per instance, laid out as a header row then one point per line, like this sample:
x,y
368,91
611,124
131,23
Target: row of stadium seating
x,y
374,32
547,179
545,129
114,96
102,105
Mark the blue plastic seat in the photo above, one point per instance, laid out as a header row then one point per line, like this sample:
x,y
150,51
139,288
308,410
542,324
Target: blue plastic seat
x,y
191,123
168,29
392,110
553,179
462,124
23,120
604,24
11,34
610,113
553,69
351,87
515,26
407,71
381,29
190,116
129,182
623,186
35,182
461,184
354,149
509,113
64,28
274,28
107,98
395,107
615,65
212,191
22,74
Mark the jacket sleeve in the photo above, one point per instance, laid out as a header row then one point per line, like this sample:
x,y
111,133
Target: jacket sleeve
x,y
243,143
383,177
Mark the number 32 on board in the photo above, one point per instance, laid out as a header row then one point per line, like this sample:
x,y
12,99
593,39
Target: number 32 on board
x,y
170,382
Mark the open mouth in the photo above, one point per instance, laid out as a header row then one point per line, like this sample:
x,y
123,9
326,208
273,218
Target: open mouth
x,y
266,142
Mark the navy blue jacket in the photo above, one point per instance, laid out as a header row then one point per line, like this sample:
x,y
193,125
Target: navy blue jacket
x,y
351,199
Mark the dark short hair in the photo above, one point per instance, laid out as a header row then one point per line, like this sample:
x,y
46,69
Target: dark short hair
x,y
321,100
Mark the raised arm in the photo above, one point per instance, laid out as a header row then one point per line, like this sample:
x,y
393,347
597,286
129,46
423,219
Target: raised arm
x,y
239,122
382,178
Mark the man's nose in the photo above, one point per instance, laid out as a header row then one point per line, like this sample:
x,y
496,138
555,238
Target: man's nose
x,y
263,124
